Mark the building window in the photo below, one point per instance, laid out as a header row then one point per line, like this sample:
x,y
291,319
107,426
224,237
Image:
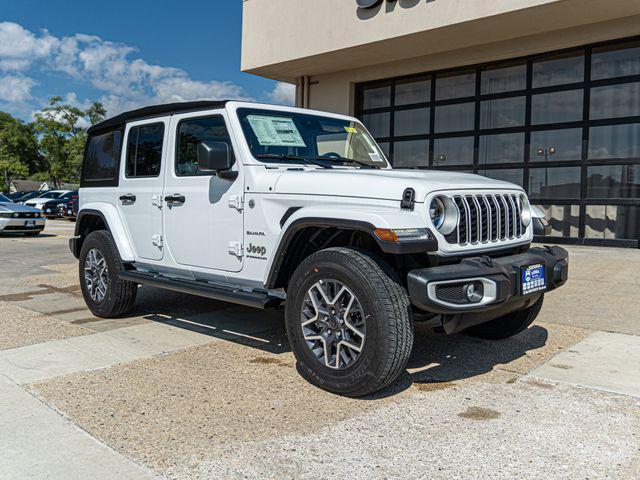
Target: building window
x,y
564,125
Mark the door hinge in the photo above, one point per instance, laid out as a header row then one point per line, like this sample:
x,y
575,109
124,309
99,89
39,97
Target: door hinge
x,y
237,202
156,201
157,240
235,248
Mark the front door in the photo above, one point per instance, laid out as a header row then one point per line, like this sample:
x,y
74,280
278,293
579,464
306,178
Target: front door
x,y
203,213
140,186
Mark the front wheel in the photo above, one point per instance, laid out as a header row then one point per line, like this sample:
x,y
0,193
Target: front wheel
x,y
348,321
508,325
100,265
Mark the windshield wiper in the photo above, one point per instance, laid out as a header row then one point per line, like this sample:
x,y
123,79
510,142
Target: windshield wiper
x,y
295,158
349,160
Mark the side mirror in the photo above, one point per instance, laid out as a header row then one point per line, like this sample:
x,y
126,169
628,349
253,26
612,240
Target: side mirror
x,y
214,157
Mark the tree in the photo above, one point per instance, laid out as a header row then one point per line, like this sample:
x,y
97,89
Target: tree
x,y
59,138
96,113
18,149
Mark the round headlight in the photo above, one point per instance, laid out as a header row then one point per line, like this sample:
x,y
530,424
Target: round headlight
x,y
443,214
436,212
525,210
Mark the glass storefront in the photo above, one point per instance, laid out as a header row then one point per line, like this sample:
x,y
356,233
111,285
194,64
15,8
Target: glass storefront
x,y
564,125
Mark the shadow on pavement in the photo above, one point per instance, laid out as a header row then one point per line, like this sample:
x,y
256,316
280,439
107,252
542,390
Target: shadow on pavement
x,y
436,360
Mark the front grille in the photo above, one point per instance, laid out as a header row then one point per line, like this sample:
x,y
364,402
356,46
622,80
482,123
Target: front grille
x,y
22,215
487,218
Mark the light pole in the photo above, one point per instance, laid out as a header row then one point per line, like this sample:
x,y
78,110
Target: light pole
x,y
546,153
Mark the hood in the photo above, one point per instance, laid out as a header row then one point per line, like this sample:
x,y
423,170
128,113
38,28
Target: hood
x,y
16,207
387,184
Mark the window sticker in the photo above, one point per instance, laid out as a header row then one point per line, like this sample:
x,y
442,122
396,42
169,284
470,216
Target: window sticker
x,y
350,130
375,157
275,131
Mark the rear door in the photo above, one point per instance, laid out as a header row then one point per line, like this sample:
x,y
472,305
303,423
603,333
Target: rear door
x,y
141,182
203,213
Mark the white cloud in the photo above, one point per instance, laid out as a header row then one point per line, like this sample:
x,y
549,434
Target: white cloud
x,y
109,67
19,47
15,88
283,94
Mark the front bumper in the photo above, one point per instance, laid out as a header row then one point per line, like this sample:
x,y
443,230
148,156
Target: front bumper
x,y
19,225
501,287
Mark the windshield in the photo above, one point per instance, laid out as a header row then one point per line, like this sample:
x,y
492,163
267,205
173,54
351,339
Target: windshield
x,y
4,199
276,134
50,195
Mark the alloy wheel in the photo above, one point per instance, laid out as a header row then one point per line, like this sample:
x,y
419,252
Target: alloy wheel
x,y
96,275
333,324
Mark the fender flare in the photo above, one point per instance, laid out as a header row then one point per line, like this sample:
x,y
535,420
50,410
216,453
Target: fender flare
x,y
115,227
294,225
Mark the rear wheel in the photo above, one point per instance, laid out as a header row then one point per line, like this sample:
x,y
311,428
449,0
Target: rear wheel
x,y
507,325
100,265
348,322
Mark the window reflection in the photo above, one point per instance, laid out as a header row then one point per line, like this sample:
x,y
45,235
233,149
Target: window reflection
x,y
564,219
455,85
511,175
378,124
413,91
413,153
559,70
612,222
557,107
453,151
613,181
505,112
504,78
554,182
455,118
412,122
556,145
615,61
376,97
503,148
615,101
614,141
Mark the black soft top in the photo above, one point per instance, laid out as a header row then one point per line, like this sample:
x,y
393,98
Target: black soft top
x,y
156,111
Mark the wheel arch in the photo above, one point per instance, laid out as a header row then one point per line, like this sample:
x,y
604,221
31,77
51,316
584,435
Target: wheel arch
x,y
303,236
101,217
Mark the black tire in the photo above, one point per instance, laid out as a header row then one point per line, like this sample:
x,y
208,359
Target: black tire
x,y
120,294
507,325
387,320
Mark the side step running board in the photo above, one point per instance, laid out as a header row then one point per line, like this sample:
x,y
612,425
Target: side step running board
x,y
249,298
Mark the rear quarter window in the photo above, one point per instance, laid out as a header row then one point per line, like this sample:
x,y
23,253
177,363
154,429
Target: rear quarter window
x,y
101,159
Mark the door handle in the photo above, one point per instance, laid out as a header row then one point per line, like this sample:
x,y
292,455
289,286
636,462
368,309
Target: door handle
x,y
175,199
128,199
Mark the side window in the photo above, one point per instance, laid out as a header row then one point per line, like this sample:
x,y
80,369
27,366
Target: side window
x,y
190,133
144,150
101,158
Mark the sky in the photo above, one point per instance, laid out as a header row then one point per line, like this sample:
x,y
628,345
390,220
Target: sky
x,y
125,54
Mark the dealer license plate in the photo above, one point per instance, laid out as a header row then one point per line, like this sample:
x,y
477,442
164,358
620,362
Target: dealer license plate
x,y
30,223
533,278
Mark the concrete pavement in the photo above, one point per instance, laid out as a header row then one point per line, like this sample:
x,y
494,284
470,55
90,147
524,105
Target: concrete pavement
x,y
191,388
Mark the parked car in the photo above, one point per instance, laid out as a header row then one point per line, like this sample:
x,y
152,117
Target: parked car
x,y
71,209
28,196
16,195
266,205
17,218
39,201
55,208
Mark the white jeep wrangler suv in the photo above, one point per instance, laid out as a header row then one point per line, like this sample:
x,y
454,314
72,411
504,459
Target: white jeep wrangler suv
x,y
266,206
